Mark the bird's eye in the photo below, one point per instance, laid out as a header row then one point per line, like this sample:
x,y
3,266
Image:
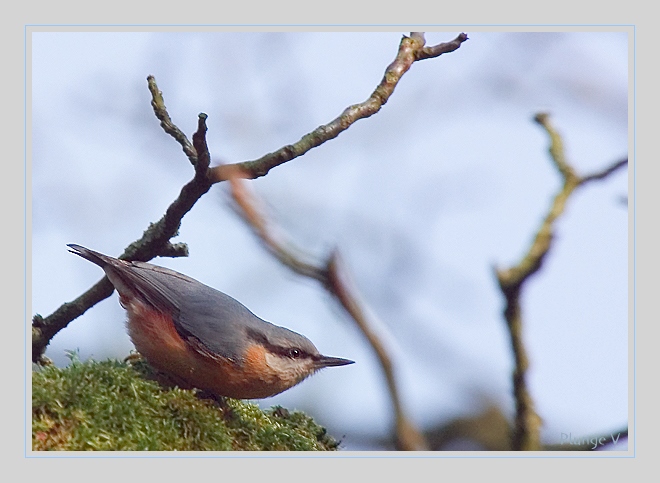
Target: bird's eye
x,y
294,353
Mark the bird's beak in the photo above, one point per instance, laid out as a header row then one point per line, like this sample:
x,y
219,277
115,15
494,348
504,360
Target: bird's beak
x,y
327,361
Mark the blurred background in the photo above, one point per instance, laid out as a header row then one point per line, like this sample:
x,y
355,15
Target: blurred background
x,y
449,180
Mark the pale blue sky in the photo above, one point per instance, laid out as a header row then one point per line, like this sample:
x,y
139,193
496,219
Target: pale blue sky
x,y
449,179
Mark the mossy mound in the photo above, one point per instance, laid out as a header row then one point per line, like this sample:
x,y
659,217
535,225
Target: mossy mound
x,y
108,406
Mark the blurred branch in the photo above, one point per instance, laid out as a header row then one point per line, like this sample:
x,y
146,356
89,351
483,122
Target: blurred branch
x,y
604,173
411,49
333,275
155,240
527,423
488,429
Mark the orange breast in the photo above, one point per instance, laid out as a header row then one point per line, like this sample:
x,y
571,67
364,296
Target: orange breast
x,y
155,337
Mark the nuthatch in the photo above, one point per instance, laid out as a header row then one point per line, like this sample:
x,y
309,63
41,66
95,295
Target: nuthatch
x,y
205,339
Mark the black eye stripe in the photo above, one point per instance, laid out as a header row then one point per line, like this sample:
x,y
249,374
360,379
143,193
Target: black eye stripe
x,y
282,351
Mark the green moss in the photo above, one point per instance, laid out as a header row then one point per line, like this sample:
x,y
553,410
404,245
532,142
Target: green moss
x,y
109,406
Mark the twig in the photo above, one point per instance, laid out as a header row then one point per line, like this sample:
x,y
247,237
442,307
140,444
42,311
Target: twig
x,y
604,173
443,48
333,275
158,104
527,424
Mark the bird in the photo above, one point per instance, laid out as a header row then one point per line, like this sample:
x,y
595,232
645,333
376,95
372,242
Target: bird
x,y
202,338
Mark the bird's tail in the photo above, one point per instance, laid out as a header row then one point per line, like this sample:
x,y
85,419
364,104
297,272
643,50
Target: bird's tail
x,y
87,254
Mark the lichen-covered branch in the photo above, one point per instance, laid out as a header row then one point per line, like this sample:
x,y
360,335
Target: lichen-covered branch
x,y
527,423
411,49
333,275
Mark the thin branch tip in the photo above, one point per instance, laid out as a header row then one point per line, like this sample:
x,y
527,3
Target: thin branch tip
x,y
541,118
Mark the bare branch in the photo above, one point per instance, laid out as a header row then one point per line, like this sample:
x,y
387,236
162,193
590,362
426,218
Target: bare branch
x,y
252,214
527,425
158,103
411,49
